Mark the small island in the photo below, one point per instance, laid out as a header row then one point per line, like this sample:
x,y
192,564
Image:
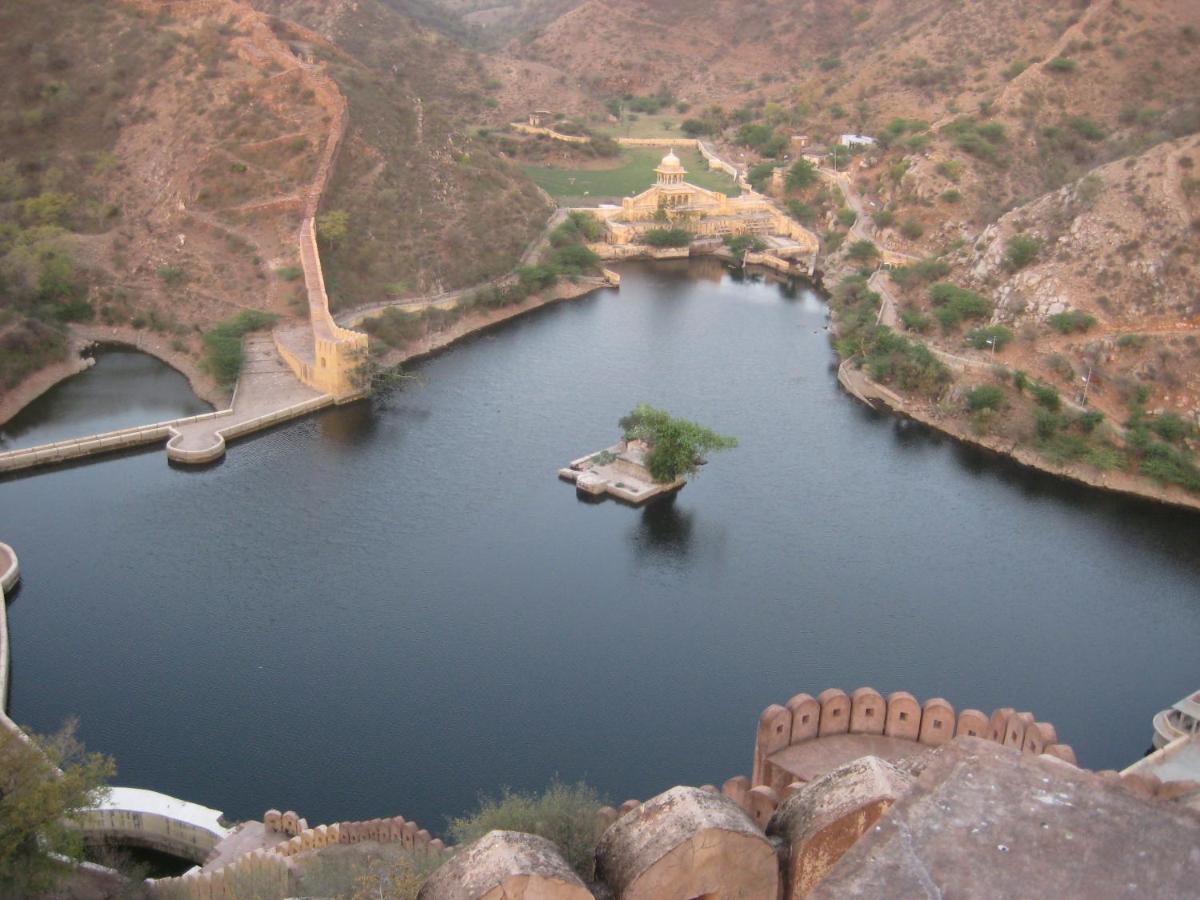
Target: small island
x,y
654,454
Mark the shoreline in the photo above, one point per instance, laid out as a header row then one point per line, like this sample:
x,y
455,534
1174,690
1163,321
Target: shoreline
x,y
859,386
81,339
853,381
481,323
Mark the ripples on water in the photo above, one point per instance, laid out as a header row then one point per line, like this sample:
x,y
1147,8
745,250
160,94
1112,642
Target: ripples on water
x,y
392,606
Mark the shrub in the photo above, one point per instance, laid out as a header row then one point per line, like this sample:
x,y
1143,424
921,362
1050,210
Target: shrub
x,y
950,169
1045,396
953,304
1020,250
563,814
1170,427
1086,128
574,259
951,196
802,174
884,218
223,344
986,396
759,175
863,251
911,229
1015,68
846,217
915,320
172,275
743,242
676,445
801,212
923,272
289,273
1061,64
992,336
1071,320
667,237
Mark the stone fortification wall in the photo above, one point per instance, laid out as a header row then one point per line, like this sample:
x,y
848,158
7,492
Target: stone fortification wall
x,y
394,830
257,874
933,723
549,132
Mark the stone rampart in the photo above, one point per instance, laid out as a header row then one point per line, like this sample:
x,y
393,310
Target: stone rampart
x,y
257,874
866,712
394,830
10,572
549,132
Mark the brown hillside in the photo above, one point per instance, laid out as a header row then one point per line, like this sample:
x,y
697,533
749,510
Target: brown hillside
x,y
430,206
156,159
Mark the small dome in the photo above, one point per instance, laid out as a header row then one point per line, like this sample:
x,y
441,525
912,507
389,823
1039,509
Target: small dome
x,y
670,161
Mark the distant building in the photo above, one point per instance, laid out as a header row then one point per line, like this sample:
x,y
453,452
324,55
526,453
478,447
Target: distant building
x,y
856,140
672,202
541,118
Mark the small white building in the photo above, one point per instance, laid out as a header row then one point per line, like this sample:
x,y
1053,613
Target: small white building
x,y
856,140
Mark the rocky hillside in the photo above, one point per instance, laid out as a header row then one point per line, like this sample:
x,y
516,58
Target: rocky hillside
x,y
153,170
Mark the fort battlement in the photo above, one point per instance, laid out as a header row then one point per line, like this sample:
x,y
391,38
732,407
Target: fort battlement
x,y
394,830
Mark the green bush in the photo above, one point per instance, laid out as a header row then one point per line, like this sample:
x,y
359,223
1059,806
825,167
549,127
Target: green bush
x,y
1061,64
801,175
846,217
1171,427
172,275
801,212
667,237
1045,396
951,196
223,344
953,304
1070,321
911,229
743,242
289,273
676,445
884,218
1020,250
985,338
563,814
986,396
915,320
863,251
922,272
1086,128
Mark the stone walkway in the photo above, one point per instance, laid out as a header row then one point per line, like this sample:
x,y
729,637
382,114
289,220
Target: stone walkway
x,y
267,394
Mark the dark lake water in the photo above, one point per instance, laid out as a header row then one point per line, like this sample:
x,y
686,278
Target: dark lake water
x,y
391,607
126,388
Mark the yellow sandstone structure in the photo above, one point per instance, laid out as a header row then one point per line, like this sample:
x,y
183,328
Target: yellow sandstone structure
x,y
673,202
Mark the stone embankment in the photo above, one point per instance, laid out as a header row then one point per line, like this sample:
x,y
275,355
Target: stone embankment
x,y
858,384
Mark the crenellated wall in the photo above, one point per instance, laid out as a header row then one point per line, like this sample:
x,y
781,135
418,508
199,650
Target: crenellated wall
x,y
899,716
394,830
257,874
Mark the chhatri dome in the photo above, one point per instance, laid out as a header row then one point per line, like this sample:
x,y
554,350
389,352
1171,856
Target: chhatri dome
x,y
670,170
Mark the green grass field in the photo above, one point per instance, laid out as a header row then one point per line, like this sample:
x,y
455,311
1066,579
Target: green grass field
x,y
646,126
634,173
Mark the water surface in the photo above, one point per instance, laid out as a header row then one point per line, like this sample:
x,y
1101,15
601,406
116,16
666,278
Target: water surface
x,y
390,607
124,388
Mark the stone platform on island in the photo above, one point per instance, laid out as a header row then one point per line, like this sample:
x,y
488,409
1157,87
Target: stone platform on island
x,y
620,471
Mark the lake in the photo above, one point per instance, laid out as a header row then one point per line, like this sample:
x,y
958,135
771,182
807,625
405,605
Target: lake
x,y
392,606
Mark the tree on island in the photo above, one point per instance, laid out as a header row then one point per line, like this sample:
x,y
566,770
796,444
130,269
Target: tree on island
x,y
676,446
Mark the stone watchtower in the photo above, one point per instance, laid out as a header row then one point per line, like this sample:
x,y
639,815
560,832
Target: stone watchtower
x,y
670,171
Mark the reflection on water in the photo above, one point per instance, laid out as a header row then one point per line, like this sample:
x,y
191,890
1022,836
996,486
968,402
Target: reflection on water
x,y
664,529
